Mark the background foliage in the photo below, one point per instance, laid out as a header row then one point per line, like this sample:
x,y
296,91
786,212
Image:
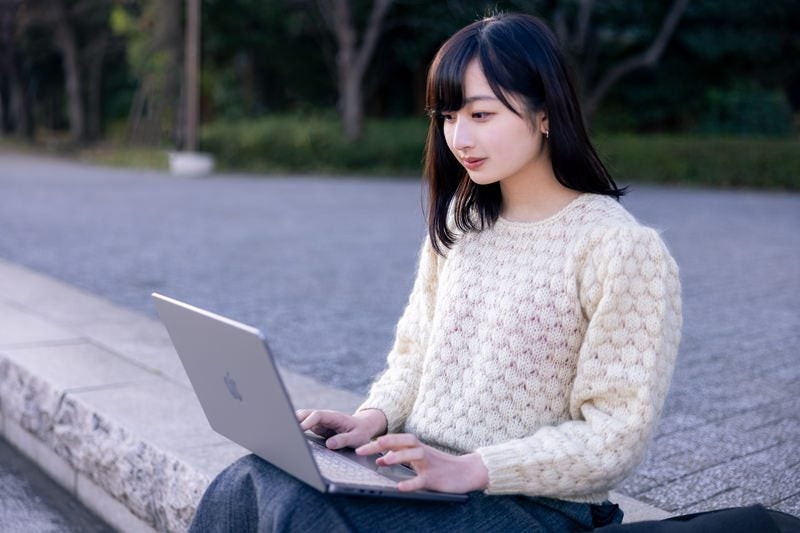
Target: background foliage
x,y
269,88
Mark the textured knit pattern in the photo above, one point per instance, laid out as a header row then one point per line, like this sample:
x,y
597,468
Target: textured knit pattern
x,y
547,347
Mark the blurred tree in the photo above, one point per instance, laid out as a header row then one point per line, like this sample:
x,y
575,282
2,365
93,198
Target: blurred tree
x,y
413,33
15,107
626,26
246,75
191,79
353,56
605,41
742,54
298,55
735,46
80,35
77,31
153,29
263,57
54,14
97,44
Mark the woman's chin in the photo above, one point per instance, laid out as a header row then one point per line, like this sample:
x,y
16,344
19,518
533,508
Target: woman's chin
x,y
481,178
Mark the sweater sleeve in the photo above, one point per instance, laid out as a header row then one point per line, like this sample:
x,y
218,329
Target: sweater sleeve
x,y
395,389
630,293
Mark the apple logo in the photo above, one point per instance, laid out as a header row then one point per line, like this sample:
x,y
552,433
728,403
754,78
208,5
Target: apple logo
x,y
231,384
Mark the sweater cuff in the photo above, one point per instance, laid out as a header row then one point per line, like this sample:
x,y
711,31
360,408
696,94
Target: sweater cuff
x,y
504,470
507,475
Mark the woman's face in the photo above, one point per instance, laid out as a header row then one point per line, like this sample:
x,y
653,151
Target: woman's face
x,y
490,140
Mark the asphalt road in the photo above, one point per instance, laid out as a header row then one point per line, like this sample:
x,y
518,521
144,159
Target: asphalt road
x,y
324,267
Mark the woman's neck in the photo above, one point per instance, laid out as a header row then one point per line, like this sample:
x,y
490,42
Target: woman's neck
x,y
534,196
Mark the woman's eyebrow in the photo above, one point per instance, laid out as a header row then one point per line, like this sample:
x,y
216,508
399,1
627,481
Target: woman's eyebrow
x,y
478,97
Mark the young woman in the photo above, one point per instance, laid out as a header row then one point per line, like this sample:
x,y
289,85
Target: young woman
x,y
536,350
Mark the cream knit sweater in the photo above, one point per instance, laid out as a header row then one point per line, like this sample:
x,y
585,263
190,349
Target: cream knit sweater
x,y
547,347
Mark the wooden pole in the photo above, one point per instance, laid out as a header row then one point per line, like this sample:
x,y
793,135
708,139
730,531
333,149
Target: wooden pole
x,y
192,73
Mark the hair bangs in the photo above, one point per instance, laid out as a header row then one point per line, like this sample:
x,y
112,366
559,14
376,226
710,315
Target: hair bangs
x,y
499,81
445,90
513,80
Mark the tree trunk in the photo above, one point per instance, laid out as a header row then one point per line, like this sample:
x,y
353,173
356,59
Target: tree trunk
x,y
192,73
157,108
579,46
351,103
95,57
67,43
20,105
648,58
352,60
16,113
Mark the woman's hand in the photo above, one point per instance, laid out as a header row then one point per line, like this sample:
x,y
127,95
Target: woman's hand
x,y
341,430
436,470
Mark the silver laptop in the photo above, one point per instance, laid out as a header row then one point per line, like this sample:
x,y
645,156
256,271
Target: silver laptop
x,y
240,389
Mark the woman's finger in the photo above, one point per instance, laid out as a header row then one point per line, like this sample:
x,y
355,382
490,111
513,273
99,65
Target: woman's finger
x,y
310,420
348,439
329,419
415,483
404,456
385,443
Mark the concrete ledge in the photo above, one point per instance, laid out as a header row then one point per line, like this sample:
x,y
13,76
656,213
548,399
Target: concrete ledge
x,y
96,395
95,457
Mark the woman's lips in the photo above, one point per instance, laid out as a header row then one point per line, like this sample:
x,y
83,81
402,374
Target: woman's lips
x,y
473,163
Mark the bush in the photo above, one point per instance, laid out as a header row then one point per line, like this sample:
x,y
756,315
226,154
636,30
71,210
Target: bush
x,y
707,161
316,144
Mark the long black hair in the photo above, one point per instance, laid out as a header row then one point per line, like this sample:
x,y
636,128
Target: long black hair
x,y
519,56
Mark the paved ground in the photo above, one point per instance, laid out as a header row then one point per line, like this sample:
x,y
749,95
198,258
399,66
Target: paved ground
x,y
30,501
324,266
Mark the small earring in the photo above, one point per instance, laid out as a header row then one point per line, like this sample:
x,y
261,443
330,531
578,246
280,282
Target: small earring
x,y
547,134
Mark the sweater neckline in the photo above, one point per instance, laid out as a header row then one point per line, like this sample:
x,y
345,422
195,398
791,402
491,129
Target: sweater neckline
x,y
571,205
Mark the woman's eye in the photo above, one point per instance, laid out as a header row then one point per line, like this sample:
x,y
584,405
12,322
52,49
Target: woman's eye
x,y
447,117
481,115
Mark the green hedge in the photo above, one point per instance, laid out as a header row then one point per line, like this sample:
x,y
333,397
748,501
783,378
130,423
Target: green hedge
x,y
315,144
707,161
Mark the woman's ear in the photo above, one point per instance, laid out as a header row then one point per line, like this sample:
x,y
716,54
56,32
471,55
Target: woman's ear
x,y
542,124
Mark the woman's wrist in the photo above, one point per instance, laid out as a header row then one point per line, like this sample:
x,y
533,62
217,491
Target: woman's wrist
x,y
375,419
475,471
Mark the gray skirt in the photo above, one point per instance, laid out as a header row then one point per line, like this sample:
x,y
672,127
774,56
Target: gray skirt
x,y
253,495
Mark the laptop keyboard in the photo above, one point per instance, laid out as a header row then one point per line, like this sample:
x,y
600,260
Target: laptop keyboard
x,y
339,469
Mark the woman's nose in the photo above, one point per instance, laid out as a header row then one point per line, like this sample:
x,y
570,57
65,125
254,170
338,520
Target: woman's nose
x,y
462,136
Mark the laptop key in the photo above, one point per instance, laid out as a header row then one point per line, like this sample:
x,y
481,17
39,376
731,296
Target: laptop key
x,y
340,469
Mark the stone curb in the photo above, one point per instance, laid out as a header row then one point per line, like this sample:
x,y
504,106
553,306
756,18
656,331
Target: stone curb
x,y
95,457
95,395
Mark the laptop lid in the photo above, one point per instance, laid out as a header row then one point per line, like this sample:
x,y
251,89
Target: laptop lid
x,y
235,379
241,392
